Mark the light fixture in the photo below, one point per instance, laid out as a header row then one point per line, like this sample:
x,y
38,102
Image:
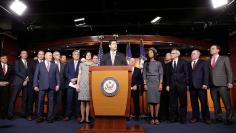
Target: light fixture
x,y
79,22
18,7
156,20
219,3
79,19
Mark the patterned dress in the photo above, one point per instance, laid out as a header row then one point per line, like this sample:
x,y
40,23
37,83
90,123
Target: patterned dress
x,y
83,94
153,73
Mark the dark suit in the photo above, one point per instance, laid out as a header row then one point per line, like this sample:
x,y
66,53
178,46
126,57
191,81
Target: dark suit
x,y
71,93
58,106
198,76
119,59
5,90
137,80
46,82
220,76
177,79
21,72
33,95
165,97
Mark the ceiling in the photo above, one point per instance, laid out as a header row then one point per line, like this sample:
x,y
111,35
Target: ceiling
x,y
49,20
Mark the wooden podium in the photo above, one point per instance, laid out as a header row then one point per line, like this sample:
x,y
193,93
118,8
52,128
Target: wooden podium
x,y
110,100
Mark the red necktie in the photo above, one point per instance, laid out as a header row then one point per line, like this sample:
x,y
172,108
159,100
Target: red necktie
x,y
4,69
194,64
213,62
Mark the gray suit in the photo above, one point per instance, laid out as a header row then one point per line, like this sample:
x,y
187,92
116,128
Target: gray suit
x,y
220,75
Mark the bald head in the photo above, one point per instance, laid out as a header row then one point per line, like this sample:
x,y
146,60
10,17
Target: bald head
x,y
48,56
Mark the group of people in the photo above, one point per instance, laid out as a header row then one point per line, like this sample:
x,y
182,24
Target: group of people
x,y
167,83
67,85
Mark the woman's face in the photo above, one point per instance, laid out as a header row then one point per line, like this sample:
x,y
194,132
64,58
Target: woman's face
x,y
150,54
88,56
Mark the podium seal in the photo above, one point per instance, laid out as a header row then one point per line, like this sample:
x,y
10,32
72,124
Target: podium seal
x,y
109,86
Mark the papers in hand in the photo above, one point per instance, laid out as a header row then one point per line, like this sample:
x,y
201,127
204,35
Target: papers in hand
x,y
72,85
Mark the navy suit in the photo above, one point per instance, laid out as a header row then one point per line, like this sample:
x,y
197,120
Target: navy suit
x,y
199,75
21,72
71,93
177,79
46,82
137,79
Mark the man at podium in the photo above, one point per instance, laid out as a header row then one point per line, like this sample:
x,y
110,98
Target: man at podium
x,y
113,58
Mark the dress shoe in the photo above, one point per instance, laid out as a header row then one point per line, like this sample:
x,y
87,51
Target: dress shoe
x,y
66,118
50,120
29,118
10,117
216,121
40,119
194,120
228,122
207,121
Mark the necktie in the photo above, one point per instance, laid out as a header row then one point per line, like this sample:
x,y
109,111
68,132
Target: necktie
x,y
48,66
113,58
175,65
4,69
194,64
213,62
76,62
58,64
25,63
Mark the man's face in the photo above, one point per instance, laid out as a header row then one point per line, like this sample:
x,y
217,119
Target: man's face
x,y
168,57
48,56
214,50
24,54
95,59
113,46
4,59
76,55
57,56
194,55
40,55
173,54
63,58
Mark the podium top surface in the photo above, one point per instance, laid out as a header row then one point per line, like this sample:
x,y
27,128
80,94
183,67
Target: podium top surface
x,y
108,68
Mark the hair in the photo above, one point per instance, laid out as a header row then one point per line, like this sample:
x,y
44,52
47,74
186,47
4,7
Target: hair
x,y
56,52
88,52
149,59
95,55
41,51
217,46
2,55
197,51
23,50
112,41
78,51
177,51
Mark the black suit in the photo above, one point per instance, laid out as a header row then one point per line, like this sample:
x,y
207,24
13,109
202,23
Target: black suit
x,y
165,96
59,95
198,76
5,90
21,72
137,80
119,59
177,79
